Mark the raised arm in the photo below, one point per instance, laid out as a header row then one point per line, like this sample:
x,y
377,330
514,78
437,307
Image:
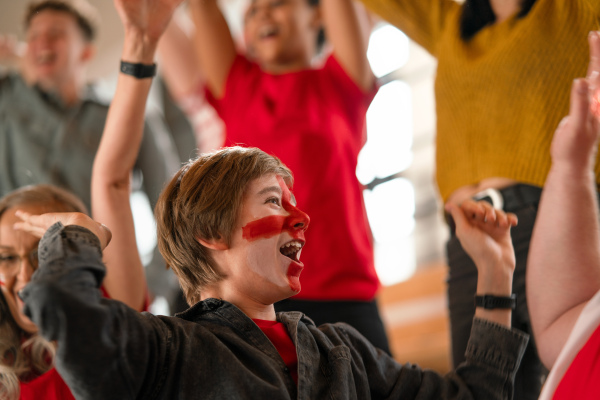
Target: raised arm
x,y
563,270
178,61
348,31
484,233
144,21
89,330
215,49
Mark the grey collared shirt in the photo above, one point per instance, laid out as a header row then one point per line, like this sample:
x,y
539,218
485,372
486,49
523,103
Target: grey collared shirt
x,y
214,351
44,141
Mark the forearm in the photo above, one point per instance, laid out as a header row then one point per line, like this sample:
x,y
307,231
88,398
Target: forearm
x,y
92,333
349,39
492,357
114,162
125,121
495,281
215,49
563,270
178,62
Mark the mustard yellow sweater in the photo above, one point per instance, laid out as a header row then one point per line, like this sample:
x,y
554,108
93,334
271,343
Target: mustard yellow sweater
x,y
500,96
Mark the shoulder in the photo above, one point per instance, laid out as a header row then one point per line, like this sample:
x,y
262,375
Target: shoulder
x,y
341,333
333,79
11,82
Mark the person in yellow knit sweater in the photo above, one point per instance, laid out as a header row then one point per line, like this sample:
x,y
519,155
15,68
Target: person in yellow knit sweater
x,y
503,77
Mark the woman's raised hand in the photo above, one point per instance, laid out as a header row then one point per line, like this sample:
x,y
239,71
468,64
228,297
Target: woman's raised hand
x,y
146,17
37,225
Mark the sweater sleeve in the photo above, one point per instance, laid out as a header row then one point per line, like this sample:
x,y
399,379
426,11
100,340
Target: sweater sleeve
x,y
421,20
492,358
104,348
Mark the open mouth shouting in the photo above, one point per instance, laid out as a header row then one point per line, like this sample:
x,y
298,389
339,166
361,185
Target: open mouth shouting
x,y
267,31
292,250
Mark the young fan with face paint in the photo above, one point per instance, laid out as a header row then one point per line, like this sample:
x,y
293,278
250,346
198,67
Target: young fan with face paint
x,y
275,96
229,227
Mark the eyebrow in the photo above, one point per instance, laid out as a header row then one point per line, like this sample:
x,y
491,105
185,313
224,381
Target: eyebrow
x,y
269,189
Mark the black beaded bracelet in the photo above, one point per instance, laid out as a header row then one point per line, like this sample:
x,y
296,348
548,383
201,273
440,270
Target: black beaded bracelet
x,y
139,71
490,302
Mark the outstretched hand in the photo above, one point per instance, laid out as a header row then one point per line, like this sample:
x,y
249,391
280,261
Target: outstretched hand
x,y
37,225
484,233
575,141
148,17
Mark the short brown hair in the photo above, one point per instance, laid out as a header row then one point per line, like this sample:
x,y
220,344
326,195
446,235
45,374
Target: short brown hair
x,y
203,200
85,15
55,198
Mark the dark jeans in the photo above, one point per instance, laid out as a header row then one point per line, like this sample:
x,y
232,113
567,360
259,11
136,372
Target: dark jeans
x,y
462,285
361,315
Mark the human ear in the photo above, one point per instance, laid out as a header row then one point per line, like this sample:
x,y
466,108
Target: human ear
x,y
213,244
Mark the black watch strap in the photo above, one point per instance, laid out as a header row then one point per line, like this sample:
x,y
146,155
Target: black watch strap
x,y
490,302
139,71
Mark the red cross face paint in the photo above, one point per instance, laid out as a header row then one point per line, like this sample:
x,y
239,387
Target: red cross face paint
x,y
283,229
275,224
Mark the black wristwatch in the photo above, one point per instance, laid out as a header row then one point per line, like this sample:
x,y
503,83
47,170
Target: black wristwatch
x,y
137,70
490,302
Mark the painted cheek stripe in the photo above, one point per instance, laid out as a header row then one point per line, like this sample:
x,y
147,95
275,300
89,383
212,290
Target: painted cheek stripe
x,y
263,228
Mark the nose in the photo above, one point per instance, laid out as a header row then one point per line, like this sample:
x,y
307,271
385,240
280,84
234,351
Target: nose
x,y
298,219
25,270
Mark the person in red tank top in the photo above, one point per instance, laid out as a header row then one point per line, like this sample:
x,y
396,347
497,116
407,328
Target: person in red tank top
x,y
563,272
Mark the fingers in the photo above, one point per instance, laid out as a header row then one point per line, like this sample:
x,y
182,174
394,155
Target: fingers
x,y
105,236
38,224
578,111
479,210
460,220
593,74
32,224
481,213
594,43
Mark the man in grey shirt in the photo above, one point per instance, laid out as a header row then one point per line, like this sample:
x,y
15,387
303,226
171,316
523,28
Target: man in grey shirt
x,y
51,121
